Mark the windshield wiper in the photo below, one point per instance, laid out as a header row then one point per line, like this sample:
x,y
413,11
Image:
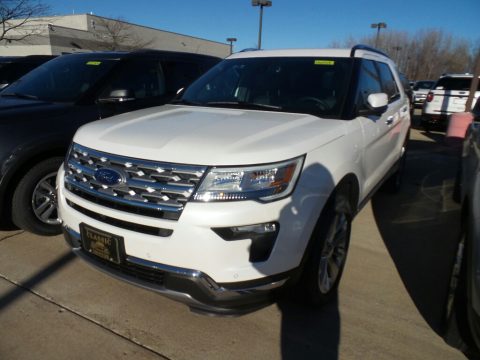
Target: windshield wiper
x,y
21,96
184,102
243,105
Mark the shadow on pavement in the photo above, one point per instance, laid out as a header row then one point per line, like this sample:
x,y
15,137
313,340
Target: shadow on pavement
x,y
10,297
420,226
309,333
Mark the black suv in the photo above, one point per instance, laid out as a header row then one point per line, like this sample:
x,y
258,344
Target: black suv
x,y
40,113
14,67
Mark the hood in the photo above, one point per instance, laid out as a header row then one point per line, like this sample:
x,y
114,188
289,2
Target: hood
x,y
209,136
12,107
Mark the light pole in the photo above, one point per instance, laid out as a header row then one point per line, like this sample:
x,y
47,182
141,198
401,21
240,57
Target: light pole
x,y
261,3
378,26
231,41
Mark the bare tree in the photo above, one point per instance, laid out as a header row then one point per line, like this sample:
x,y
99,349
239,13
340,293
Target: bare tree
x,y
116,34
424,55
17,15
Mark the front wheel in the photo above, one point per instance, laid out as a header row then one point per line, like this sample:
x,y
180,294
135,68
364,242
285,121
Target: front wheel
x,y
34,204
328,252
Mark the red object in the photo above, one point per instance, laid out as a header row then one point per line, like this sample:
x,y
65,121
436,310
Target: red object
x,y
457,128
429,97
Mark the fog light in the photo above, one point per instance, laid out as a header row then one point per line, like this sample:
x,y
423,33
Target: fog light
x,y
263,238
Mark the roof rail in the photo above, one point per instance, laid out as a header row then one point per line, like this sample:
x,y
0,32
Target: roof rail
x,y
250,49
366,47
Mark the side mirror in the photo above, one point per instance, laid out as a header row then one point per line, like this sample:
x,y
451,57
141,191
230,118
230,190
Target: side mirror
x,y
118,95
377,104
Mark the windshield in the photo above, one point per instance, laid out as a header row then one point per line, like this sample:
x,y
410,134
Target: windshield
x,y
423,85
63,79
316,86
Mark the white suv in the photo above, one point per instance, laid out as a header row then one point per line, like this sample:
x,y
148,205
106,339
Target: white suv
x,y
245,185
447,96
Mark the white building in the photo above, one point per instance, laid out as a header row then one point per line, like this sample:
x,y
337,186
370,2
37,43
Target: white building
x,y
80,33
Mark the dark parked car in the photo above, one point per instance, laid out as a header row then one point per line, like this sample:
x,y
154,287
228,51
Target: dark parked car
x,y
14,67
463,306
40,113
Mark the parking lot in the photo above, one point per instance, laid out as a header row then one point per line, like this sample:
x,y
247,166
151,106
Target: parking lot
x,y
389,305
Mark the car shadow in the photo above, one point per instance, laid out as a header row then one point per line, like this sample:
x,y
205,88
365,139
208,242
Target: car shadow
x,y
309,333
420,226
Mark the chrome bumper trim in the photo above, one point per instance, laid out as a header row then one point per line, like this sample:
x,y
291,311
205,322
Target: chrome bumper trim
x,y
220,300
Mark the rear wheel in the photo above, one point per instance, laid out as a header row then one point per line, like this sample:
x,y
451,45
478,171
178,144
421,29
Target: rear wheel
x,y
34,204
324,267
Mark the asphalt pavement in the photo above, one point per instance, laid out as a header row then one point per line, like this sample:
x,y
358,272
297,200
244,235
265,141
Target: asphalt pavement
x,y
389,304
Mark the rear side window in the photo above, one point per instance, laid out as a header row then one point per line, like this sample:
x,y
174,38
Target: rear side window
x,y
143,78
388,82
450,83
179,74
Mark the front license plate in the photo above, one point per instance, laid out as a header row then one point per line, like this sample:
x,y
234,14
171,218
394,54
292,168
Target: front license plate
x,y
101,243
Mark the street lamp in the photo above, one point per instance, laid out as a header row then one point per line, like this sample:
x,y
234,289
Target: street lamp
x,y
261,3
231,41
378,26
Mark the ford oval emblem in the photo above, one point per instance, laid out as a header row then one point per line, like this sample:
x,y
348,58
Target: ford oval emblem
x,y
108,177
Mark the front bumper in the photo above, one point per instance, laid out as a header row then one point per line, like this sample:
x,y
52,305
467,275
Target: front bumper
x,y
194,288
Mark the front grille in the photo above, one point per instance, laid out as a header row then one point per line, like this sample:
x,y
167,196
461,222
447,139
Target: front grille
x,y
144,229
139,272
148,188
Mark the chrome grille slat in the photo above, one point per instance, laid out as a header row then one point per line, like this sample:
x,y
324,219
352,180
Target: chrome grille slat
x,y
161,188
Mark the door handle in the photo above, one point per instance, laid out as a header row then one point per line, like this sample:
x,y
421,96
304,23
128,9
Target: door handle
x,y
389,120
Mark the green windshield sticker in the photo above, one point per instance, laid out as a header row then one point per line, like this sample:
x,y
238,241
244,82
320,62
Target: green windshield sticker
x,y
324,62
95,63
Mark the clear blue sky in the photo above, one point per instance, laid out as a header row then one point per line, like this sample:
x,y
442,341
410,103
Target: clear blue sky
x,y
288,23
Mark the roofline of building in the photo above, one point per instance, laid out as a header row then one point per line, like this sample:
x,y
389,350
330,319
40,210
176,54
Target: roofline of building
x,y
145,27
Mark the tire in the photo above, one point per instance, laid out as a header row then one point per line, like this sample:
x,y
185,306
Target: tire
x,y
462,325
426,125
455,321
34,203
327,253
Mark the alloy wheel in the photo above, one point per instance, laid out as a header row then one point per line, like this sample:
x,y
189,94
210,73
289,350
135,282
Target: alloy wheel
x,y
44,200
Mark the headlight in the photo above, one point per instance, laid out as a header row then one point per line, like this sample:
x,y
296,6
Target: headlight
x,y
264,182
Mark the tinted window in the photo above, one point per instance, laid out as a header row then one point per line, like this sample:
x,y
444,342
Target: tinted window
x,y
388,82
63,79
143,78
179,74
296,84
368,83
449,83
11,72
423,85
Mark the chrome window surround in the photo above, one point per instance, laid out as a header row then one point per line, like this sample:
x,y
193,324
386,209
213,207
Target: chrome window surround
x,y
150,188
